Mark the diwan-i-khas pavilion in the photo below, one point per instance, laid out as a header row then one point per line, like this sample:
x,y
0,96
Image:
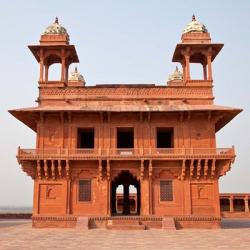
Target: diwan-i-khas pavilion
x,y
97,143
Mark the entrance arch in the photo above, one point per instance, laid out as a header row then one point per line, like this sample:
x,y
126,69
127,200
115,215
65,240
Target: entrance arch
x,y
127,201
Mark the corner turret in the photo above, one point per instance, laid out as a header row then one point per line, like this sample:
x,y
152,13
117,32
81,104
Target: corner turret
x,y
54,47
196,47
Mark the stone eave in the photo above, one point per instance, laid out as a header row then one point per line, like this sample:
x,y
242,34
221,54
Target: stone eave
x,y
29,116
177,56
36,48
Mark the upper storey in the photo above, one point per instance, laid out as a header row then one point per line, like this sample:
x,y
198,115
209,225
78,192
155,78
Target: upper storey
x,y
180,94
196,47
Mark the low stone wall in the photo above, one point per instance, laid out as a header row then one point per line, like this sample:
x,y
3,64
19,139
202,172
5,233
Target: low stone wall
x,y
235,214
15,215
54,221
196,222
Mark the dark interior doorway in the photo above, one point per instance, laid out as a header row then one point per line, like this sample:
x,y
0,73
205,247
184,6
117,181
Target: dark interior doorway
x,y
224,205
125,137
165,137
86,138
125,178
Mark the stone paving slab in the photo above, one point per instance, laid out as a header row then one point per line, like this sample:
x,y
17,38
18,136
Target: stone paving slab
x,y
20,235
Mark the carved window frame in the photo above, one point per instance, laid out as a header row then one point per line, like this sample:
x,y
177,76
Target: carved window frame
x,y
78,190
172,186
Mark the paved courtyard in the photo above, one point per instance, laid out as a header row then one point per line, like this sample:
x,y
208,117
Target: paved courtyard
x,y
18,234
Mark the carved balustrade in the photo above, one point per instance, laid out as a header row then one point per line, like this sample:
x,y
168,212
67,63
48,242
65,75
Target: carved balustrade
x,y
127,153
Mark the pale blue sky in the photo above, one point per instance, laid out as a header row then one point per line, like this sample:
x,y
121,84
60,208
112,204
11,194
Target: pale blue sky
x,y
118,41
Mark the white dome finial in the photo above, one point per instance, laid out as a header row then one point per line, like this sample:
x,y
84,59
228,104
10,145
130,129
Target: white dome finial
x,y
195,26
176,75
55,29
76,76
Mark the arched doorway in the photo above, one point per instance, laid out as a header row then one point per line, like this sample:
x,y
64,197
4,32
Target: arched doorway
x,y
125,201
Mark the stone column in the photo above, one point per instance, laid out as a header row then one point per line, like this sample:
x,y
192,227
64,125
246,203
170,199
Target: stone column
x,y
46,73
135,199
67,73
150,172
68,211
63,66
246,204
41,66
187,71
184,70
144,197
204,71
36,198
63,71
45,169
209,66
231,200
109,182
111,197
116,205
126,207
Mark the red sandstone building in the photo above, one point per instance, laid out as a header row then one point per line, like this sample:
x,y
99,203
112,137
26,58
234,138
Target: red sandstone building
x,y
158,139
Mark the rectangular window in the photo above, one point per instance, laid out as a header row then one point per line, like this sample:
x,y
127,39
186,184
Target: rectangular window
x,y
125,137
84,193
165,137
166,190
86,138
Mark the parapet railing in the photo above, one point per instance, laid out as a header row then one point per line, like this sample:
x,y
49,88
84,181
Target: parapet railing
x,y
74,153
201,82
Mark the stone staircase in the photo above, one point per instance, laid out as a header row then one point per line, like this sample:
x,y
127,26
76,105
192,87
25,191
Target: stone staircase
x,y
128,223
82,223
168,223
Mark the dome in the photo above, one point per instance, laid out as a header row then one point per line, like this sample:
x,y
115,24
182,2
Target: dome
x,y
195,26
176,75
55,29
76,76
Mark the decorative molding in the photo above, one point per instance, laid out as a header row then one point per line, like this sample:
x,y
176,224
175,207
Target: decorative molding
x,y
131,93
196,218
54,218
168,171
84,172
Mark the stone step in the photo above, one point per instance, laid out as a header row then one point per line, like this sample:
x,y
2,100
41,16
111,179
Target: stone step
x,y
82,223
168,223
126,227
125,224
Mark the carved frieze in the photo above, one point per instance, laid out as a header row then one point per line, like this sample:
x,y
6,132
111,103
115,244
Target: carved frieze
x,y
127,93
84,173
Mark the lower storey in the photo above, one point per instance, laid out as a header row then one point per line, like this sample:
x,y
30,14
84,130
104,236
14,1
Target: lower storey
x,y
143,193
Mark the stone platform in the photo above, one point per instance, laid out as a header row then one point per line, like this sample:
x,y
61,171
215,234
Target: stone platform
x,y
19,234
135,222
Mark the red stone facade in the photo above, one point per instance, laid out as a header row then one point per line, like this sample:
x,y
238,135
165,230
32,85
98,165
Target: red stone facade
x,y
161,139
